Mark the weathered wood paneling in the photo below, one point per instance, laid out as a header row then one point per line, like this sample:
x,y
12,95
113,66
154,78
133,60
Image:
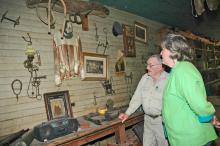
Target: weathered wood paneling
x,y
27,112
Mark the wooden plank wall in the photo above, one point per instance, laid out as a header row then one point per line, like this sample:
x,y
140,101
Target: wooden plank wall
x,y
26,112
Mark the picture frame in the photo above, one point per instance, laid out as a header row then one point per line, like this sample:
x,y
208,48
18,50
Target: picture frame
x,y
140,32
94,66
128,40
58,105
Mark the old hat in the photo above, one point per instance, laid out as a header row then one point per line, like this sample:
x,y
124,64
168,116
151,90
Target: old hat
x,y
117,29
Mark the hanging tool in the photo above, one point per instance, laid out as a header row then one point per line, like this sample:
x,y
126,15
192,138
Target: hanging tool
x,y
106,44
107,85
16,22
16,86
96,33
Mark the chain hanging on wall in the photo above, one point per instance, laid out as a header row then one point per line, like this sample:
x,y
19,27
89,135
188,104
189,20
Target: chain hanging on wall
x,y
33,68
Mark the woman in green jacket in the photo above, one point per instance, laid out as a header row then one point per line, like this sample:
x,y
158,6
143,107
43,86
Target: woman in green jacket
x,y
186,112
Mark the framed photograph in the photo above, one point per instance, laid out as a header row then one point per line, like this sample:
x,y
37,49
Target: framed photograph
x,y
58,105
94,66
128,40
140,32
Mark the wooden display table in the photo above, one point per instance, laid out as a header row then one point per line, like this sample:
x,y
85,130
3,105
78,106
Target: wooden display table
x,y
94,133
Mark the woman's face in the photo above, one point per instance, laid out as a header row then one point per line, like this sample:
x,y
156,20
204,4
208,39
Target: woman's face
x,y
166,59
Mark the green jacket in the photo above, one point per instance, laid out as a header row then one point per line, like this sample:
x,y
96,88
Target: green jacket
x,y
184,103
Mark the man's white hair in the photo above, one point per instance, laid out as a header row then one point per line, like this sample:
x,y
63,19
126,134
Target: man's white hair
x,y
157,56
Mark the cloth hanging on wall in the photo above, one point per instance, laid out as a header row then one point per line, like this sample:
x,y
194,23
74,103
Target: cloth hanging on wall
x,y
67,57
120,63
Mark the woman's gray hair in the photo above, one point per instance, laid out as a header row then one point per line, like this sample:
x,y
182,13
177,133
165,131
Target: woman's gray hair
x,y
157,56
178,46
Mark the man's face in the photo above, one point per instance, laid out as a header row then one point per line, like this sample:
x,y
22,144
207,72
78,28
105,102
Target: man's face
x,y
153,66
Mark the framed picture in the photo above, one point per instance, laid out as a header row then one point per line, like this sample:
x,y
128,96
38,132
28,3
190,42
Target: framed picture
x,y
140,32
94,66
128,40
58,105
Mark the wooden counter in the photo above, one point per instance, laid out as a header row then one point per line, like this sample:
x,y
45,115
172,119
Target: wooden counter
x,y
83,137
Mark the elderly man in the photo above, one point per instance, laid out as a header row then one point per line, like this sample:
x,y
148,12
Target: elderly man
x,y
149,94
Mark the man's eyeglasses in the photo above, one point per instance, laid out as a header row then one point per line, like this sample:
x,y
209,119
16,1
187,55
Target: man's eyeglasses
x,y
152,65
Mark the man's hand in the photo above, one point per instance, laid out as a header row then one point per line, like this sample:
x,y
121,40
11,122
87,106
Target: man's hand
x,y
123,117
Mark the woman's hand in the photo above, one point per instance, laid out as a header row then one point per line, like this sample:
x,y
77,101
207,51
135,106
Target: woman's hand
x,y
123,117
216,122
